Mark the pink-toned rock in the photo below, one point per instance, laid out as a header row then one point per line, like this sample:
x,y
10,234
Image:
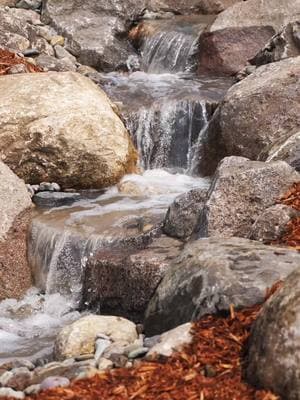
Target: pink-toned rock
x,y
227,51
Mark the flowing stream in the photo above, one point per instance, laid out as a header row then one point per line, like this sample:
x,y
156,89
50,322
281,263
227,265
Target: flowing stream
x,y
166,109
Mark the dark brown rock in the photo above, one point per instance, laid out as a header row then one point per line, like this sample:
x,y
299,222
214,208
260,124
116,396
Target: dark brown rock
x,y
274,358
227,51
118,282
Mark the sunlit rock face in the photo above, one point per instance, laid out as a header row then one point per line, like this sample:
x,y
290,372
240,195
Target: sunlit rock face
x,y
77,141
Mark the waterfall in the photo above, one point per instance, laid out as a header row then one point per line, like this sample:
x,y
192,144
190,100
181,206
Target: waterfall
x,y
169,52
166,134
58,259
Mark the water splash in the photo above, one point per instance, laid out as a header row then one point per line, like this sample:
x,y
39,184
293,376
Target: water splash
x,y
28,326
165,134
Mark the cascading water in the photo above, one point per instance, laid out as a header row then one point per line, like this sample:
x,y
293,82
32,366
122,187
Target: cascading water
x,y
170,46
166,110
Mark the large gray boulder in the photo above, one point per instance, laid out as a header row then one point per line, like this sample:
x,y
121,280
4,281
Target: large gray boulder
x,y
275,13
60,127
212,274
95,30
256,114
241,190
274,356
15,205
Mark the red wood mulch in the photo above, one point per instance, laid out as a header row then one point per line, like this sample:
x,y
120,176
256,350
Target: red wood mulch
x,y
8,59
292,236
217,348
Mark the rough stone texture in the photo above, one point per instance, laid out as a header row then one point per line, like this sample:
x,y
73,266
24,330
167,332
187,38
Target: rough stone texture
x,y
288,151
240,192
183,214
77,141
79,337
95,31
227,51
17,379
274,358
9,3
122,282
283,45
15,205
275,13
257,113
172,341
20,30
211,274
272,223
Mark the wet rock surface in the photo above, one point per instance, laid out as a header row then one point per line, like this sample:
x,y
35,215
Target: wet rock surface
x,y
212,274
122,281
52,199
241,190
183,214
274,343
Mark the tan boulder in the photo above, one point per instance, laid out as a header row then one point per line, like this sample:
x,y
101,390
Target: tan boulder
x,y
60,127
15,205
80,337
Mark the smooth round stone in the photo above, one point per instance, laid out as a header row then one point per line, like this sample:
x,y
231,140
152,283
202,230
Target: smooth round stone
x,y
104,364
33,389
49,187
138,353
55,199
54,382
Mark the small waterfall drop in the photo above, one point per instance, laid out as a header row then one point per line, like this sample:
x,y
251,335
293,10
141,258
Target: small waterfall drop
x,y
166,133
171,45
